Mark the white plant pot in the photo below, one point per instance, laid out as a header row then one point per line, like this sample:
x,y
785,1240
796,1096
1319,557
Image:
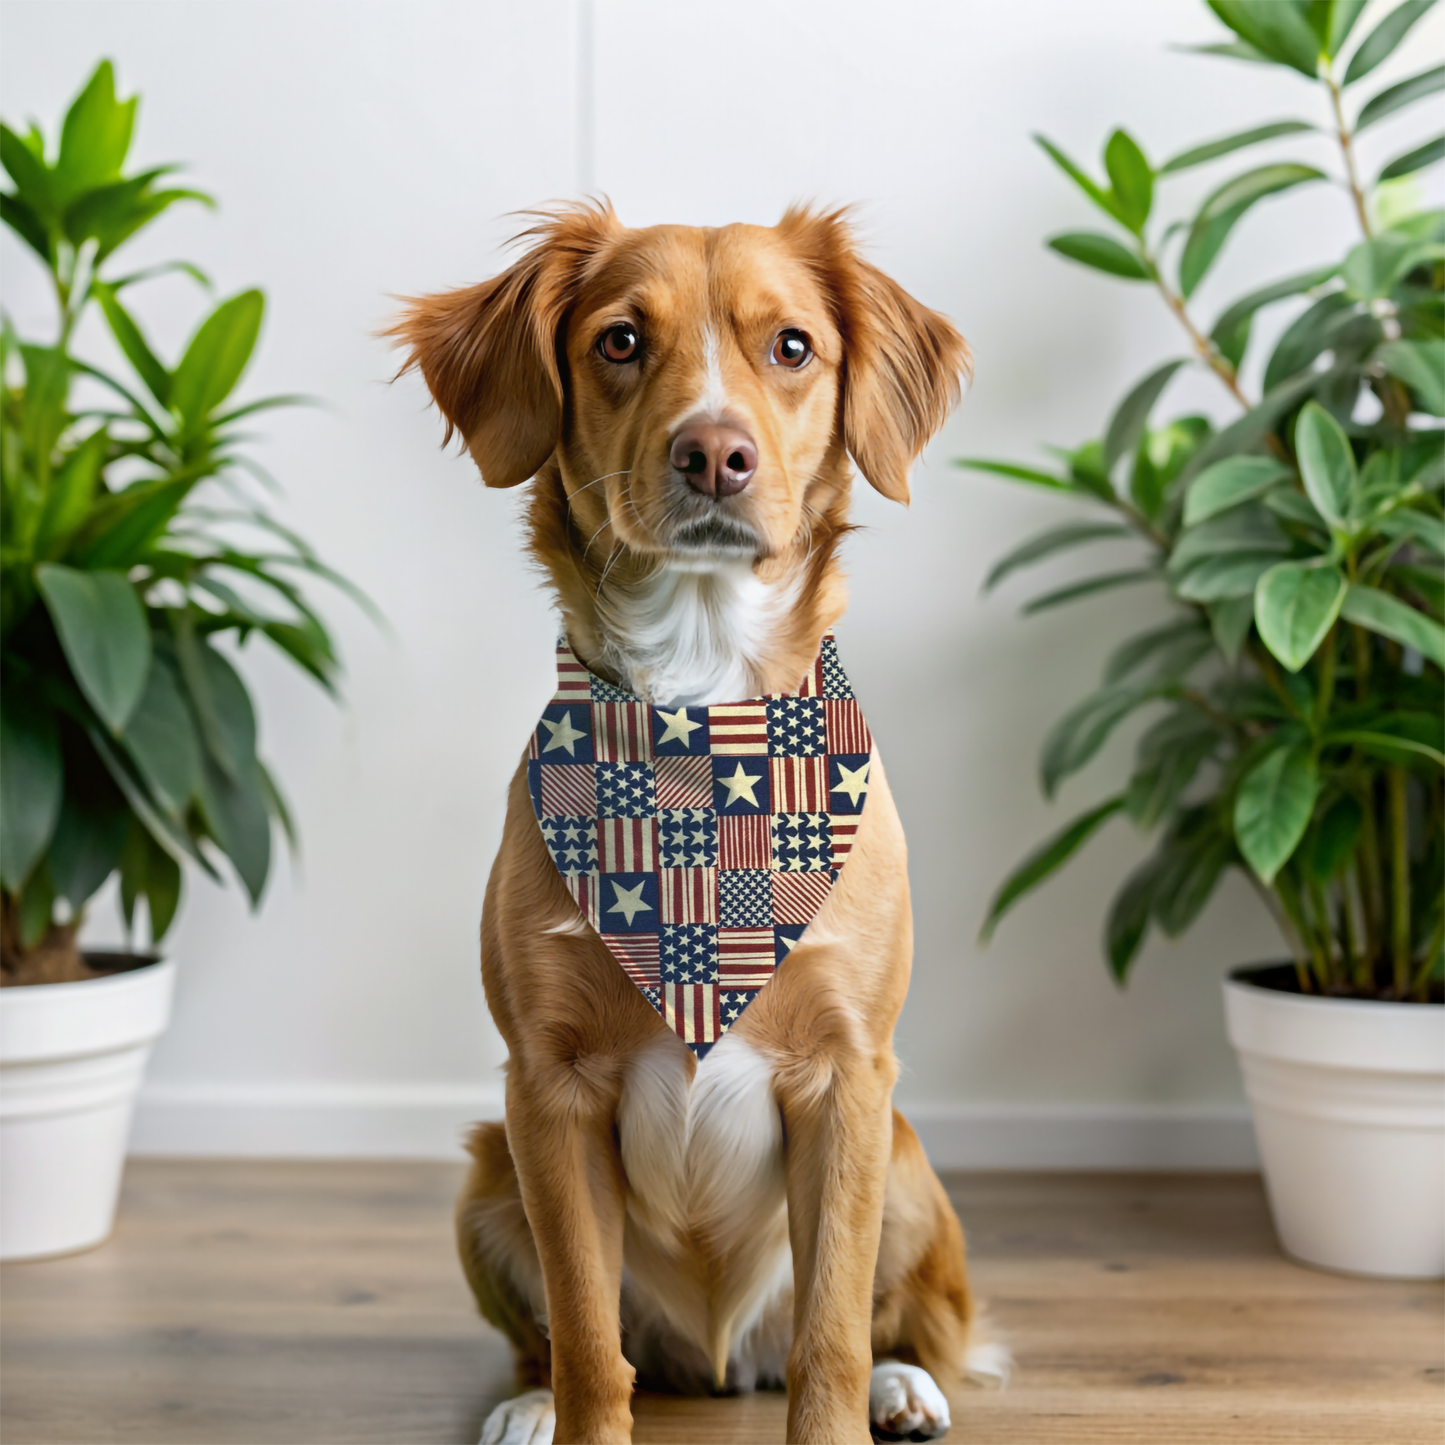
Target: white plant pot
x,y
1349,1108
71,1060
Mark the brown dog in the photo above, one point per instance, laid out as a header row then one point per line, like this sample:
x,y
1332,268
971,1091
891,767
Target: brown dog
x,y
688,401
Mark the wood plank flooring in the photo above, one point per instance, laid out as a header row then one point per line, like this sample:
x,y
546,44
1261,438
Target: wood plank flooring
x,y
307,1303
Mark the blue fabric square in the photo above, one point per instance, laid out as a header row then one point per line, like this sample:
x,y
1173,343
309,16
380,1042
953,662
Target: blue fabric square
x,y
687,837
741,784
683,732
797,727
745,898
564,734
802,842
627,903
625,790
687,953
835,680
572,842
785,939
848,775
534,785
731,1004
604,691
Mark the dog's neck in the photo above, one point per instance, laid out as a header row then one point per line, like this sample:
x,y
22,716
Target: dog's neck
x,y
693,634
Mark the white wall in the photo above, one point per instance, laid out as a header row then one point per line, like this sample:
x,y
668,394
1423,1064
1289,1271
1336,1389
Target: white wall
x,y
368,149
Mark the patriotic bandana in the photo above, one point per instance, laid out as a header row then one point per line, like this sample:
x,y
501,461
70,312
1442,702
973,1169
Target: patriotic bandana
x,y
700,841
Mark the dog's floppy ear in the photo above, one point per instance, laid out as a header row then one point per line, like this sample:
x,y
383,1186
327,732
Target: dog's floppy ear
x,y
902,362
489,352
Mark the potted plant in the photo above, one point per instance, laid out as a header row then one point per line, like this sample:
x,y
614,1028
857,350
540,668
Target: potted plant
x,y
1297,713
127,736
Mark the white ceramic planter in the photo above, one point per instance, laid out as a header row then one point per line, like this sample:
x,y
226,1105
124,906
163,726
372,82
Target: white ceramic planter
x,y
71,1060
1349,1109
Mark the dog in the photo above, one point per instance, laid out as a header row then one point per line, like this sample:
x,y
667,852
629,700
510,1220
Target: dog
x,y
685,403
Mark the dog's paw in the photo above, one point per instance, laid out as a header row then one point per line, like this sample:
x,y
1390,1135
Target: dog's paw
x,y
905,1404
527,1420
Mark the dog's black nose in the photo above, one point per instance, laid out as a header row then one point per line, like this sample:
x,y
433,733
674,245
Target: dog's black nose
x,y
717,460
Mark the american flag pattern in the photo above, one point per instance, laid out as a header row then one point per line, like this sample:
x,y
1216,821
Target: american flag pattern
x,y
700,842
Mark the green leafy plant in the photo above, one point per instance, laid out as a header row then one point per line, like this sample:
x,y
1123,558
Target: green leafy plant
x,y
128,549
1297,692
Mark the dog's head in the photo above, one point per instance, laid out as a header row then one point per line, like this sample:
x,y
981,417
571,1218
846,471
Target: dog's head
x,y
693,386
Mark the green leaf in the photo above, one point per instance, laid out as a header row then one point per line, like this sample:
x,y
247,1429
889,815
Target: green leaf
x,y
1102,253
1105,582
123,526
236,816
1096,193
1083,730
1190,864
161,739
1231,331
1238,141
1415,160
102,629
1273,807
95,136
1371,268
1218,579
1228,50
1334,840
132,343
1380,43
1243,529
1295,605
120,229
1222,211
1342,16
216,357
37,907
1421,366
1046,860
1377,611
1131,178
276,803
1016,473
221,702
32,782
1407,91
1404,744
1170,755
1229,622
166,830
94,820
1128,920
26,224
1046,544
1327,464
1407,523
1126,426
1132,654
1277,29
33,185
1230,483
71,496
1309,334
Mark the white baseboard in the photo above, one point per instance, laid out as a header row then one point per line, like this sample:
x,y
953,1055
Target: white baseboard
x,y
426,1121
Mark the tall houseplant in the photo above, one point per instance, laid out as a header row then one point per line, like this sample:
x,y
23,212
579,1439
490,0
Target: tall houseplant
x,y
1296,692
131,520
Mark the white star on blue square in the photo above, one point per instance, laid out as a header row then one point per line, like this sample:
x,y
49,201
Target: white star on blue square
x,y
745,898
572,842
687,837
625,790
797,727
802,842
688,953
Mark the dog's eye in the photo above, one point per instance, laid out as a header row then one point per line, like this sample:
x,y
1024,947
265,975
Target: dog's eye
x,y
791,349
620,343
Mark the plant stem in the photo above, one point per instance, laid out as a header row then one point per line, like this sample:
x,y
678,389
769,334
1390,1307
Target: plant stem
x,y
1347,150
1399,879
1421,989
1207,350
1368,876
1325,693
1350,934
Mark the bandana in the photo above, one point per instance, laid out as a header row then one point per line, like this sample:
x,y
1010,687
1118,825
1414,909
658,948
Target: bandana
x,y
699,842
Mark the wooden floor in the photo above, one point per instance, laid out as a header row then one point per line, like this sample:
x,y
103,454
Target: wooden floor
x,y
304,1303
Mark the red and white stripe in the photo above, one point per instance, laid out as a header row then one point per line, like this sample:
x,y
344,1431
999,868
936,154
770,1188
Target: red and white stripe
x,y
798,896
638,955
847,731
800,785
738,729
745,957
745,841
691,1009
572,678
584,893
683,782
622,732
689,895
845,830
569,790
812,683
627,845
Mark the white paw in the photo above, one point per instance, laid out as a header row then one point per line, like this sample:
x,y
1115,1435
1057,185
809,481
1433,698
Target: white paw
x,y
904,1403
527,1420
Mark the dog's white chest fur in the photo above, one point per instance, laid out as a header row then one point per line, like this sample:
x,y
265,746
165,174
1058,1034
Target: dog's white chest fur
x,y
707,1232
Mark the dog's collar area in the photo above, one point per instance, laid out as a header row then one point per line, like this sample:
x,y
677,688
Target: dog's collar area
x,y
700,842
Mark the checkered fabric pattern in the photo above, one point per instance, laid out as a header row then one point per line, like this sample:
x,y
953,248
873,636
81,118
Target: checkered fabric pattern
x,y
700,841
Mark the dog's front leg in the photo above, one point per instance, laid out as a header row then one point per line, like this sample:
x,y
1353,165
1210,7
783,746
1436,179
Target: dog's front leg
x,y
836,1114
560,1131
